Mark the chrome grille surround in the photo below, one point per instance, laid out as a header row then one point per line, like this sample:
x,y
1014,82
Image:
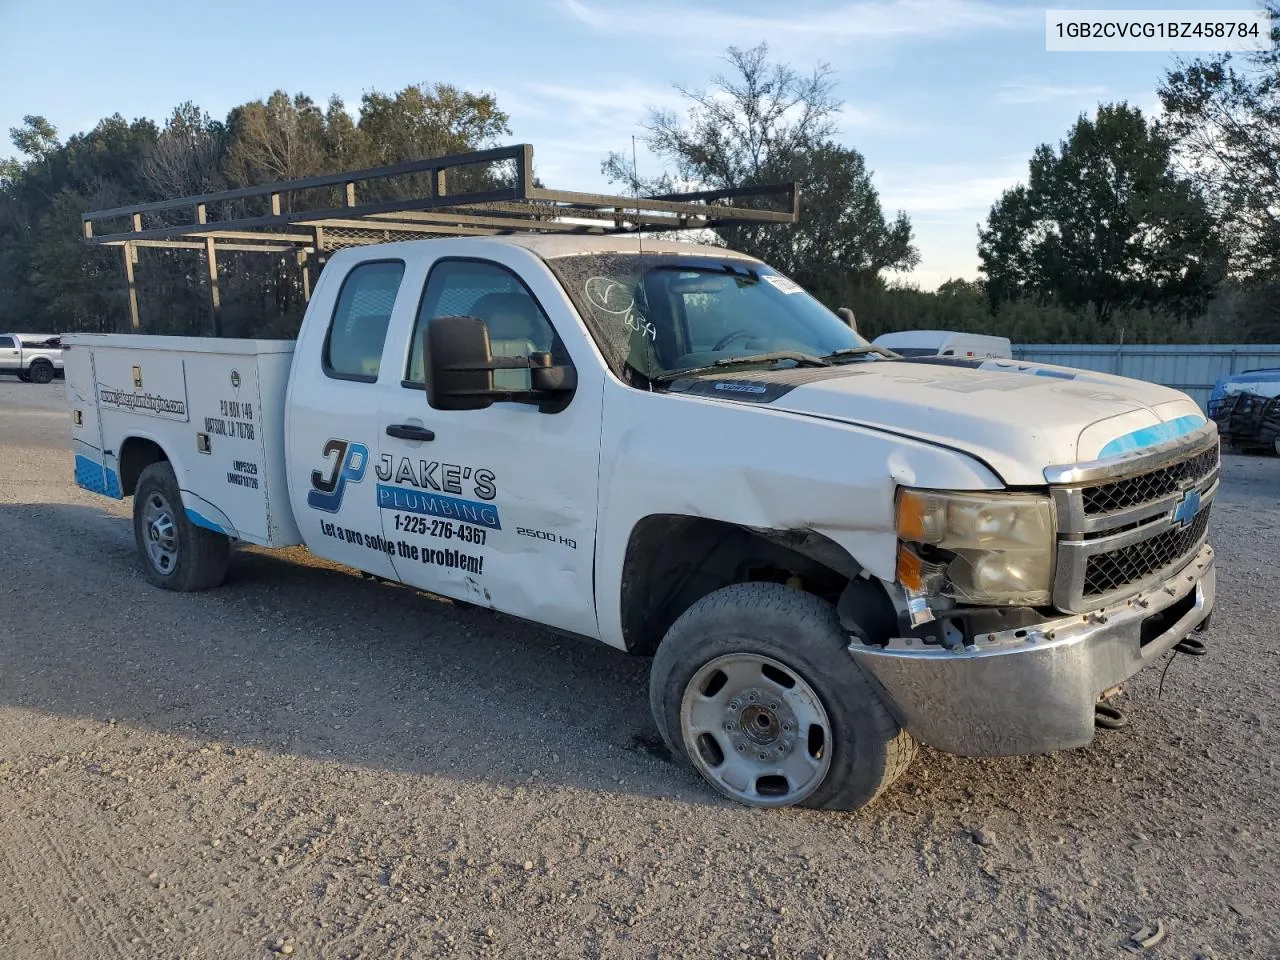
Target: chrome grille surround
x,y
1117,532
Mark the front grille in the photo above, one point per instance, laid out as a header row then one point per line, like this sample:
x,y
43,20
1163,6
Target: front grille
x,y
1106,572
1146,487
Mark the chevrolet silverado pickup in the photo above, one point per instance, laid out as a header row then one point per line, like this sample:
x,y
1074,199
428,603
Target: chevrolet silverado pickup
x,y
830,552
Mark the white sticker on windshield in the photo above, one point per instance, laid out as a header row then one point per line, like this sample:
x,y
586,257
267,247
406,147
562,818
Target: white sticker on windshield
x,y
783,283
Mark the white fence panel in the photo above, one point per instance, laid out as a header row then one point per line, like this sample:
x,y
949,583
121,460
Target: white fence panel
x,y
1192,368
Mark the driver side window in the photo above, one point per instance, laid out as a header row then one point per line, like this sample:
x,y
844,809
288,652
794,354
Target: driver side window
x,y
517,325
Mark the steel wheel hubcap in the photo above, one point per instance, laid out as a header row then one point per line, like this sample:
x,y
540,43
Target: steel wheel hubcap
x,y
756,729
161,533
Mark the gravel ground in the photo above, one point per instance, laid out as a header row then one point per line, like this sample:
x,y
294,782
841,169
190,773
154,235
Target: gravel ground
x,y
306,763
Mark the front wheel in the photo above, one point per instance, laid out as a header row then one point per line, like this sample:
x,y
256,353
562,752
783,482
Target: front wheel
x,y
753,685
176,554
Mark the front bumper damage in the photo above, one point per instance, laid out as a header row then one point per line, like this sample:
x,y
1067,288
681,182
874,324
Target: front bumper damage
x,y
1033,689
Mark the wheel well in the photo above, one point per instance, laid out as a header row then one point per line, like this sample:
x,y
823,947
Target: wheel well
x,y
136,455
43,360
673,561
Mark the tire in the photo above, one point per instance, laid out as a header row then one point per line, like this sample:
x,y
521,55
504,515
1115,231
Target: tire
x,y
24,376
757,636
41,372
175,553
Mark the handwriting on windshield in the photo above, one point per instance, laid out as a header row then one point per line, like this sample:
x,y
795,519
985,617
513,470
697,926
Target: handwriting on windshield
x,y
612,298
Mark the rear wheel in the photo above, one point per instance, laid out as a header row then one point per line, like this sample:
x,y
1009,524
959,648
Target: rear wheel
x,y
753,685
24,376
175,553
42,371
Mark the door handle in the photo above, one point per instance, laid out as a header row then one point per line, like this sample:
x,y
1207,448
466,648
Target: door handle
x,y
407,431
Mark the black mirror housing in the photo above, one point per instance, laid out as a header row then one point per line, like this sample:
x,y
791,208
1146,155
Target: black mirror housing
x,y
458,363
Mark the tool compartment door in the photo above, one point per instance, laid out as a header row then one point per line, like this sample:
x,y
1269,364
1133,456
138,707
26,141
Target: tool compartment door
x,y
86,427
226,487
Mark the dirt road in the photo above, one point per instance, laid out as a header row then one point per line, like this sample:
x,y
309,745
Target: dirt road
x,y
303,762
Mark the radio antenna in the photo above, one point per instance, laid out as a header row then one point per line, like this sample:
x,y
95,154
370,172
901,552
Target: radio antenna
x,y
635,185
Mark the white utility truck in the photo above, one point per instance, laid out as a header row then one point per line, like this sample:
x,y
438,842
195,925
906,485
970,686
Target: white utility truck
x,y
944,343
830,552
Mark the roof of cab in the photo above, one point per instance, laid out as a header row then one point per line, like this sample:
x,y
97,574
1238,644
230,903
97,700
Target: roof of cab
x,y
550,246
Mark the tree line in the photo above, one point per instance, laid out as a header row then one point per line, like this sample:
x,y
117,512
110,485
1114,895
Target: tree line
x,y
1128,229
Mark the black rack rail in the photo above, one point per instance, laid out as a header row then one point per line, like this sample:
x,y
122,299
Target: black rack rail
x,y
482,193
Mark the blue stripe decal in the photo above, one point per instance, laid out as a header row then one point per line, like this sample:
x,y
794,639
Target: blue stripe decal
x,y
1150,436
94,477
203,521
409,500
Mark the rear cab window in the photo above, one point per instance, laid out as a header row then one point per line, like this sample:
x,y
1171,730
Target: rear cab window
x,y
358,329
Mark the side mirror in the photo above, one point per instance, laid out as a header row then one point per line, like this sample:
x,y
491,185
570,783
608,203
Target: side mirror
x,y
457,361
459,365
845,314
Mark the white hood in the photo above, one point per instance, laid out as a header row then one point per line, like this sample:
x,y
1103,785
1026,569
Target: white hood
x,y
1017,417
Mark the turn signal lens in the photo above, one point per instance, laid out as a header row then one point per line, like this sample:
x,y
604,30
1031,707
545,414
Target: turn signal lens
x,y
910,572
922,517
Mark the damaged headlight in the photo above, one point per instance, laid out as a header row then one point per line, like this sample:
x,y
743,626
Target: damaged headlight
x,y
986,548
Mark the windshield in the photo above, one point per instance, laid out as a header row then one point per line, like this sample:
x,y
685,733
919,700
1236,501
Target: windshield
x,y
657,314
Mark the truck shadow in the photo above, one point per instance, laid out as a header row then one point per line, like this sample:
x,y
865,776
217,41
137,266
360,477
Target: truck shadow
x,y
295,655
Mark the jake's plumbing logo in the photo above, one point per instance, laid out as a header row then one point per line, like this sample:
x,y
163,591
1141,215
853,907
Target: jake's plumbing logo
x,y
347,463
436,489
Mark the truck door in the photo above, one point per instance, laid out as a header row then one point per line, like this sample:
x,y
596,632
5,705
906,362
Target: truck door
x,y
9,355
334,419
494,506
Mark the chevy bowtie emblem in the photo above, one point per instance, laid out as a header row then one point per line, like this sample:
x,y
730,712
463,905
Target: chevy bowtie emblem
x,y
1187,509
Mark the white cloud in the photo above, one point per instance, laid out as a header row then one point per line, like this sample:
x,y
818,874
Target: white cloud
x,y
574,127
615,103
946,193
946,203
1032,93
861,19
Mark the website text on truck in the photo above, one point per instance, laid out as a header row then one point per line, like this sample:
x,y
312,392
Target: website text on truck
x,y
830,552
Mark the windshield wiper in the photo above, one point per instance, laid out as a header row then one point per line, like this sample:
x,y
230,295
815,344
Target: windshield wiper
x,y
847,352
800,360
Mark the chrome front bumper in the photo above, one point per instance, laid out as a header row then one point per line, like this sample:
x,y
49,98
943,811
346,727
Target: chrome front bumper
x,y
1033,690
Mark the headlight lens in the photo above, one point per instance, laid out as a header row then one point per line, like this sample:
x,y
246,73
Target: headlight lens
x,y
997,548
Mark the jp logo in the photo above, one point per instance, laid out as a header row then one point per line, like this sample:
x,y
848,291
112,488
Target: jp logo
x,y
348,466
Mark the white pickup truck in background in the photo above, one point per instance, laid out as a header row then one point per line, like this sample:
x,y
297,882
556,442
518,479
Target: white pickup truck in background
x,y
31,357
679,452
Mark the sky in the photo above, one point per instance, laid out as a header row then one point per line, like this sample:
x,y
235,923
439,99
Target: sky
x,y
946,99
